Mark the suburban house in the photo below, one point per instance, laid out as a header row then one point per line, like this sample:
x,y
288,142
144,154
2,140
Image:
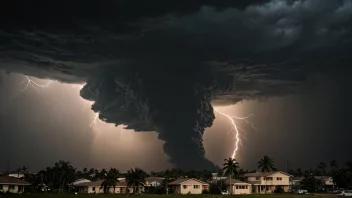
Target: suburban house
x,y
154,181
267,182
296,181
18,175
216,177
327,181
97,188
12,184
188,186
238,187
80,181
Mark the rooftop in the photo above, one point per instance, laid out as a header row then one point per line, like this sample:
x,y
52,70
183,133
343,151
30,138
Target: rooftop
x,y
12,180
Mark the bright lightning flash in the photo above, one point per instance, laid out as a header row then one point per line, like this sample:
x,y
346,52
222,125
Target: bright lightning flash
x,y
236,129
33,84
29,82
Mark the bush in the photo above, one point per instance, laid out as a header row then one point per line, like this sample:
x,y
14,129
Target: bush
x,y
279,189
205,191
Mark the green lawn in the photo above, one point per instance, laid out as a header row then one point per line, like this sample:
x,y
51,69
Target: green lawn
x,y
175,196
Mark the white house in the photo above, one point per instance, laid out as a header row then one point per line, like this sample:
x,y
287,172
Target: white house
x,y
188,186
238,187
12,184
267,182
97,188
154,181
327,181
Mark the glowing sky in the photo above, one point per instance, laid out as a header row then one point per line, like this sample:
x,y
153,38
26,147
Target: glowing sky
x,y
41,126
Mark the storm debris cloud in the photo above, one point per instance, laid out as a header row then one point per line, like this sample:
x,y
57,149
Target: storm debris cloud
x,y
175,104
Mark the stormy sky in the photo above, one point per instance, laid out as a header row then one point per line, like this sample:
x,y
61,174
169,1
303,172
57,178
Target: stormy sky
x,y
159,69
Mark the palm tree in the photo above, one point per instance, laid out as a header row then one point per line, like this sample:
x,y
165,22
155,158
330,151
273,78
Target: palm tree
x,y
322,167
333,166
230,169
266,164
110,179
135,178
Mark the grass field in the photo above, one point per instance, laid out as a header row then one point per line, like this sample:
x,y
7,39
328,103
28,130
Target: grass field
x,y
175,196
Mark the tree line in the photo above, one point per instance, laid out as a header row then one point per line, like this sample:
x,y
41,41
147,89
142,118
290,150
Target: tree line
x,y
59,177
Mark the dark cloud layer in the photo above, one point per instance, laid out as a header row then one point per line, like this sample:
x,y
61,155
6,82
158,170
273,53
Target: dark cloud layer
x,y
157,66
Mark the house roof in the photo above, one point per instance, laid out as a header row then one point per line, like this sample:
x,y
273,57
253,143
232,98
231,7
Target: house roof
x,y
235,181
322,178
265,174
180,181
99,182
12,180
154,179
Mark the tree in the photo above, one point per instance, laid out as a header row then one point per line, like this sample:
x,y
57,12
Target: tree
x,y
230,169
322,167
110,179
266,164
135,177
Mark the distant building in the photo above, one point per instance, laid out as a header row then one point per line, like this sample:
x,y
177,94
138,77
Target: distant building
x,y
327,182
267,182
154,181
188,186
80,181
18,175
12,184
238,187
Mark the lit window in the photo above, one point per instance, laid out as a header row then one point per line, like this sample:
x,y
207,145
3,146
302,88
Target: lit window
x,y
196,186
184,186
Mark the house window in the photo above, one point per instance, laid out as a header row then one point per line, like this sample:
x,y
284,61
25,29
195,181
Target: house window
x,y
279,178
246,187
269,178
184,186
93,189
1,187
257,178
12,187
236,187
196,186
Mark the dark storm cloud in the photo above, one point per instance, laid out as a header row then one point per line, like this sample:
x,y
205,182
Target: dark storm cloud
x,y
157,66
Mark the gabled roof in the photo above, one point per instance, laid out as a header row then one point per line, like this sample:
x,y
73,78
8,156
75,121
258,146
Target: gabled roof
x,y
235,182
154,179
180,181
265,174
322,178
13,181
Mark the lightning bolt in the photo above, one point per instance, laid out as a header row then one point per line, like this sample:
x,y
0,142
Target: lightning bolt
x,y
33,84
236,129
29,82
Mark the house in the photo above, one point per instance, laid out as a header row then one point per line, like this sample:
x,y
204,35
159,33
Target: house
x,y
18,175
267,182
327,181
238,187
216,177
97,188
296,181
154,181
188,186
80,181
12,184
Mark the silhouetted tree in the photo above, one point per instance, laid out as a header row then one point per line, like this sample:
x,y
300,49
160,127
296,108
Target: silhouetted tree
x,y
266,164
136,178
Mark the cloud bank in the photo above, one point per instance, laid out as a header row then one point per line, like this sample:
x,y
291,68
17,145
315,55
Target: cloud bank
x,y
158,67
